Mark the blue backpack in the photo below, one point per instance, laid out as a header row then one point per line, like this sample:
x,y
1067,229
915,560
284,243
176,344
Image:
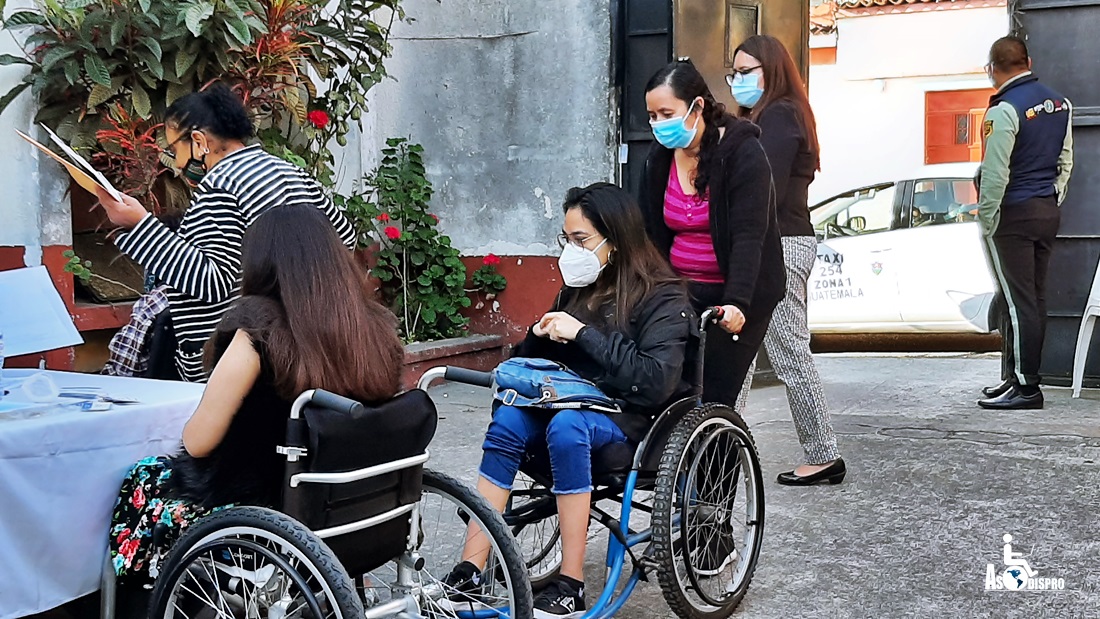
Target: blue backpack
x,y
541,383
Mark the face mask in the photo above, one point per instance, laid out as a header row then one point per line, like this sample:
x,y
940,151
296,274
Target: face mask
x,y
746,90
579,267
673,132
195,168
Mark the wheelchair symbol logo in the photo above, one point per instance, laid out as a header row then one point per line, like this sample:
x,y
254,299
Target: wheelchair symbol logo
x,y
1018,574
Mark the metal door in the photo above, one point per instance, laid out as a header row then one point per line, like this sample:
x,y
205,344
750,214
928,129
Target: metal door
x,y
1061,37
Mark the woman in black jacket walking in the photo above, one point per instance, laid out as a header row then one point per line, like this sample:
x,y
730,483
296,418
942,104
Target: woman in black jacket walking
x,y
709,207
622,321
768,88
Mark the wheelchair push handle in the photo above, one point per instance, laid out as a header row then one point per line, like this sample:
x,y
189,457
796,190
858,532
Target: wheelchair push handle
x,y
468,376
711,316
331,401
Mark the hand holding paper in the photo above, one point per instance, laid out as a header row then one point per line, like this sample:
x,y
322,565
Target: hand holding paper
x,y
125,213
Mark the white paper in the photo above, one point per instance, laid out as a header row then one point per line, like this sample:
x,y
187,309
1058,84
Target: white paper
x,y
83,163
33,317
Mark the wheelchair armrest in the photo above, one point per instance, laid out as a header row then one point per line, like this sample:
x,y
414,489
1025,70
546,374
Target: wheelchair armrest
x,y
457,375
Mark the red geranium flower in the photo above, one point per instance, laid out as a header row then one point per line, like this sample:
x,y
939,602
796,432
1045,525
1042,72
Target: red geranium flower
x,y
319,118
392,233
491,260
384,217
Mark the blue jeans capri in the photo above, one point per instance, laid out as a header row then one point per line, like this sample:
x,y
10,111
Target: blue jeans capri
x,y
569,435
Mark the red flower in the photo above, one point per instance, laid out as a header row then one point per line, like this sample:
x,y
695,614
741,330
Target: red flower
x,y
434,217
319,118
491,260
138,498
392,233
384,217
123,536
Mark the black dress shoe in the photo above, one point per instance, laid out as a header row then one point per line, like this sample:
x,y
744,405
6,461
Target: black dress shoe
x,y
832,474
999,390
1014,399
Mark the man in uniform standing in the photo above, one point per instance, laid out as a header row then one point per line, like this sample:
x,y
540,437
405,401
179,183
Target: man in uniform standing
x,y
1025,168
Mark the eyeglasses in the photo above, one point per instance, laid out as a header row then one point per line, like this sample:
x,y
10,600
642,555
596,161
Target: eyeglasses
x,y
167,151
739,74
564,239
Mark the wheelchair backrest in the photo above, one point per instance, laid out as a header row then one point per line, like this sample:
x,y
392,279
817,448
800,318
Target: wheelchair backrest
x,y
356,441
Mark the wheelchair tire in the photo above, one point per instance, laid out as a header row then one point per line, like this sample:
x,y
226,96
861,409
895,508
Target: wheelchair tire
x,y
239,552
686,589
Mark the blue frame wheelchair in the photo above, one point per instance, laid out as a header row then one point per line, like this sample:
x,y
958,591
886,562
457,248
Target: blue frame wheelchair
x,y
363,531
695,478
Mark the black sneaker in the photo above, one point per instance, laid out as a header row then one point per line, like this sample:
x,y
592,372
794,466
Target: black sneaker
x,y
463,588
715,554
559,600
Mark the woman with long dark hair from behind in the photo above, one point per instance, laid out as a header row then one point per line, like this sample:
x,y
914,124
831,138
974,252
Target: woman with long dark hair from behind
x,y
768,88
622,321
306,320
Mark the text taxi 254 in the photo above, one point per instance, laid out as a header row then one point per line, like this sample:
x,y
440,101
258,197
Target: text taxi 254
x,y
902,256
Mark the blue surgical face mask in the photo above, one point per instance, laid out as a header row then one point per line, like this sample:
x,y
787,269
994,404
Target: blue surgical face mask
x,y
673,132
746,89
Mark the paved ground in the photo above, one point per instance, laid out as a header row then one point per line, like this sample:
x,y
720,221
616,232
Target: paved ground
x,y
933,485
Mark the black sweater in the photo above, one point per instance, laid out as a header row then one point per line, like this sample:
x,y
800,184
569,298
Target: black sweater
x,y
793,166
743,224
641,365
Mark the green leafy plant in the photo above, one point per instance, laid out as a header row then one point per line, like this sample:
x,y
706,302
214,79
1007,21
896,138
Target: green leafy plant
x,y
487,279
422,277
90,59
82,270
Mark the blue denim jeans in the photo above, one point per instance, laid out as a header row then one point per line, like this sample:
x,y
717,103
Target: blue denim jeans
x,y
570,436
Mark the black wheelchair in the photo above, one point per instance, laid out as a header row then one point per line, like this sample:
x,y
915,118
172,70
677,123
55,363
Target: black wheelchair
x,y
696,481
364,530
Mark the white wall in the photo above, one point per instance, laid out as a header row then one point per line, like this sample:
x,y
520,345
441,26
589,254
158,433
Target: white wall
x,y
34,210
870,104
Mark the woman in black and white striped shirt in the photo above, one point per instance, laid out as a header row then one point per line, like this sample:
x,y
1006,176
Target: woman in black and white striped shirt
x,y
234,183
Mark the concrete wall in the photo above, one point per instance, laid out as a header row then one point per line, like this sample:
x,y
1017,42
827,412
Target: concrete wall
x,y
512,103
870,104
34,211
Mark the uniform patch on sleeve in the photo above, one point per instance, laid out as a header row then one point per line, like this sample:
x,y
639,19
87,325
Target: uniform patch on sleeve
x,y
987,128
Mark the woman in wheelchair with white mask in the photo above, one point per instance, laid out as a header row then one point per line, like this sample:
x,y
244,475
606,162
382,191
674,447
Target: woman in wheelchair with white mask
x,y
622,321
305,320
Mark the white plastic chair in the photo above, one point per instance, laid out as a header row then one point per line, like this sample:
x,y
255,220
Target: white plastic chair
x,y
1084,336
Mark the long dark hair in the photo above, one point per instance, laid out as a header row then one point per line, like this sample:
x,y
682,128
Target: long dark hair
x,y
216,110
782,81
635,268
688,84
322,329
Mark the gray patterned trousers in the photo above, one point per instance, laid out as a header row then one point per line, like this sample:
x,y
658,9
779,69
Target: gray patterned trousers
x,y
788,346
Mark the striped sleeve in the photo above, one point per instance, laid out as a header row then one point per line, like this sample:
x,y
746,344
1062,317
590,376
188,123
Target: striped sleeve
x,y
207,263
340,222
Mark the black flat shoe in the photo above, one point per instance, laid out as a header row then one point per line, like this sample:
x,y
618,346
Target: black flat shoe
x,y
1014,399
832,474
999,390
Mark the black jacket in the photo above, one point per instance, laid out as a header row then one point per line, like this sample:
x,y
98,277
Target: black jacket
x,y
642,366
743,222
793,163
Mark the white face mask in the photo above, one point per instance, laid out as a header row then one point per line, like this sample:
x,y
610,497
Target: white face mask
x,y
579,266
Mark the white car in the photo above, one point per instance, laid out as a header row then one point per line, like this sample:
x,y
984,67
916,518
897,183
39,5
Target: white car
x,y
903,256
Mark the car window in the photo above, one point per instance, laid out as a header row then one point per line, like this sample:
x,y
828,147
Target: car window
x,y
861,212
942,201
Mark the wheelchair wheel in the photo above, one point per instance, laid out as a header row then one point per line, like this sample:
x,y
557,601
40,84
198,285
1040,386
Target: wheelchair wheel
x,y
447,507
708,518
532,516
252,562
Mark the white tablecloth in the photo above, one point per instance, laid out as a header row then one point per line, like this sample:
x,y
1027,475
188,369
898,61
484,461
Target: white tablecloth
x,y
59,476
